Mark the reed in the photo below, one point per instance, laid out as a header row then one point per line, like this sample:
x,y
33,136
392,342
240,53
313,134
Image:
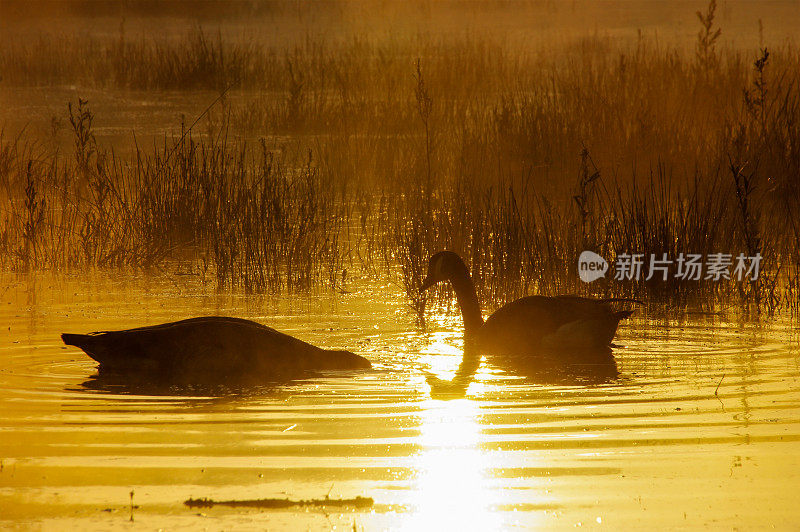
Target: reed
x,y
517,157
258,221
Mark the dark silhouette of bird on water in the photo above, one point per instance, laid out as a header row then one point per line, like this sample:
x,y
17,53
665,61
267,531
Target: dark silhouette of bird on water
x,y
210,349
530,324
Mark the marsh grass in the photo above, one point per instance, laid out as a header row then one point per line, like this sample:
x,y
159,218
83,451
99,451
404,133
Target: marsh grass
x,y
379,151
255,220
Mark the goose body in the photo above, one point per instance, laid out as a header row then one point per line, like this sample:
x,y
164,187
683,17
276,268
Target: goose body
x,y
549,323
530,324
210,348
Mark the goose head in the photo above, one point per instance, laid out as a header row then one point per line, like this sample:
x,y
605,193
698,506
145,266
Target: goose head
x,y
444,266
448,266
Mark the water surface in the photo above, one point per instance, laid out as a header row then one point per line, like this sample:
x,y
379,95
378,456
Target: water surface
x,y
699,428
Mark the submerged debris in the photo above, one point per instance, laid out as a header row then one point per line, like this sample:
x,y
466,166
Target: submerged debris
x,y
357,502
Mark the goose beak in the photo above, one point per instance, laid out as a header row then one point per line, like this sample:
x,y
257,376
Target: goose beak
x,y
427,283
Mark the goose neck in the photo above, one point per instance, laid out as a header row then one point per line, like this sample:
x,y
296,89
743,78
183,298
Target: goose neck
x,y
468,301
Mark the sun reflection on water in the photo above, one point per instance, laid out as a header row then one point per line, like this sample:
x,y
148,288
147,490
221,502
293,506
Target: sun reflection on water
x,y
442,355
450,491
451,487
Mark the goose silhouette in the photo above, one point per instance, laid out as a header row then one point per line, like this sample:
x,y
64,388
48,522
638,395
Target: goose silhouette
x,y
585,327
212,348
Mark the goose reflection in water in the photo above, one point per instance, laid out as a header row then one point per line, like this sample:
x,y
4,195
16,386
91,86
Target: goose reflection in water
x,y
566,367
145,383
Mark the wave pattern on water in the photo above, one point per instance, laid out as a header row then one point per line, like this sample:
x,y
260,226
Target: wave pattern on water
x,y
702,417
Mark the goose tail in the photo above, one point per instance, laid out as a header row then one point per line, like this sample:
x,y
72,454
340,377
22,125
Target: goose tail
x,y
78,340
91,344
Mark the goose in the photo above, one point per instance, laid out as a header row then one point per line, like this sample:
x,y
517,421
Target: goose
x,y
210,348
581,326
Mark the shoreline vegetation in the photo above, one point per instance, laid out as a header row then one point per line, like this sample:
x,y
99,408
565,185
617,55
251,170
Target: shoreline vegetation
x,y
371,154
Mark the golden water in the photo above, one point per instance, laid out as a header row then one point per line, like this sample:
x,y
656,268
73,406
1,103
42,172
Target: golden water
x,y
700,428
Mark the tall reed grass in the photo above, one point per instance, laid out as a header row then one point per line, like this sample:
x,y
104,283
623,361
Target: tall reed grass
x,y
381,151
253,217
